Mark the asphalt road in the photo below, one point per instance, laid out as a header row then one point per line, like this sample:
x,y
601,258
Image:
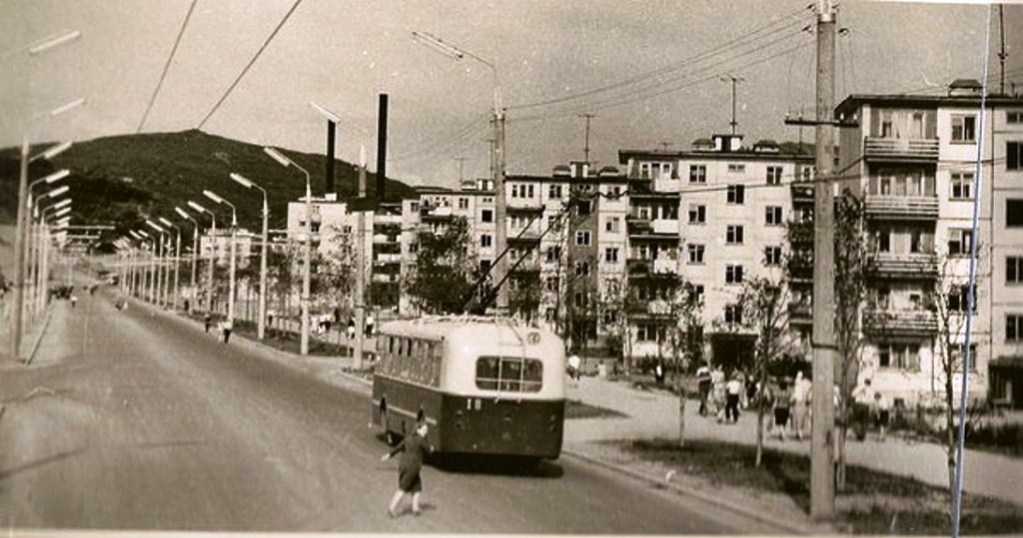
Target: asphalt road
x,y
138,420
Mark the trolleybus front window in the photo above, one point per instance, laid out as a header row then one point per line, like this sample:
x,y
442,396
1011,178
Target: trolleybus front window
x,y
510,374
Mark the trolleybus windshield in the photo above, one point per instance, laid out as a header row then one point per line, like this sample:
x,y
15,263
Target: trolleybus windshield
x,y
509,374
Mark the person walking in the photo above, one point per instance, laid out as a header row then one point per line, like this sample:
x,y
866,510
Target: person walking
x,y
414,449
208,321
74,300
351,329
882,414
800,408
226,328
704,385
782,400
369,325
733,391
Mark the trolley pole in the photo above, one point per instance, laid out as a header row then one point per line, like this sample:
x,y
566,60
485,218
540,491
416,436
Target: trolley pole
x,y
360,271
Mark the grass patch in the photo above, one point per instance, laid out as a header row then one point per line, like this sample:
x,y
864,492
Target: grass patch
x,y
577,409
873,502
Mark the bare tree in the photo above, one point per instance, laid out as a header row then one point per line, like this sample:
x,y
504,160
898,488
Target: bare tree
x,y
855,266
763,306
951,300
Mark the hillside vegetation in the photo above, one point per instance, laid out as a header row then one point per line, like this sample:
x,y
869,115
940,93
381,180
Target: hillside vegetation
x,y
119,179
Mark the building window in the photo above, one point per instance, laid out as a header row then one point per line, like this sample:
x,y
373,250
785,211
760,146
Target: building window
x,y
463,203
964,128
612,224
733,235
554,192
1014,117
736,194
554,254
695,253
1014,269
487,215
899,356
1013,212
584,207
697,173
648,333
960,242
611,255
958,300
697,213
774,175
733,313
696,293
582,268
736,168
485,240
528,190
733,274
962,186
552,283
957,358
1014,328
1014,155
582,238
773,215
772,256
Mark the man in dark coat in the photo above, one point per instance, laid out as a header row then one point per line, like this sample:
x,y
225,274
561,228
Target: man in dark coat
x,y
414,449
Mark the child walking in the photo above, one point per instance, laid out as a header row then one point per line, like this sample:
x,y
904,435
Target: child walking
x,y
414,448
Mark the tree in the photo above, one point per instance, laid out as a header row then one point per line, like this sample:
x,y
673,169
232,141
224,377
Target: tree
x,y
685,337
280,262
763,304
952,297
442,276
855,268
525,293
335,273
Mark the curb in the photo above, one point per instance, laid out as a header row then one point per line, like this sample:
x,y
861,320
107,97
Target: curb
x,y
718,503
39,339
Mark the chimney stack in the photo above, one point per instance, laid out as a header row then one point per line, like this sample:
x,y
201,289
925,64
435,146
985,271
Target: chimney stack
x,y
381,147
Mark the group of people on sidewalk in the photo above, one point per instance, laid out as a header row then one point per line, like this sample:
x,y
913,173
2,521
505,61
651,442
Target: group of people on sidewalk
x,y
724,395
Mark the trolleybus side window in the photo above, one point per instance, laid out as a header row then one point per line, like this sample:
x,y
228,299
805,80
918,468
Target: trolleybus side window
x,y
510,374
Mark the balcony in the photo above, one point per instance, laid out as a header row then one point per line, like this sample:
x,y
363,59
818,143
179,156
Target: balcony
x,y
902,207
387,258
887,323
647,308
911,266
638,224
517,206
801,233
435,213
802,193
800,314
380,220
900,149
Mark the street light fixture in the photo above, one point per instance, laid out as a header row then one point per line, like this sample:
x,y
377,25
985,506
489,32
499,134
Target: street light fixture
x,y
500,236
54,42
249,184
234,234
286,162
53,151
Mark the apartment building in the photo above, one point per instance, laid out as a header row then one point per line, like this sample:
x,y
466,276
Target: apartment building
x,y
715,214
914,160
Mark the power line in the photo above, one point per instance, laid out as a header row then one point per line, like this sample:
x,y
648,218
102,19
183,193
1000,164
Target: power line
x,y
672,67
166,66
249,65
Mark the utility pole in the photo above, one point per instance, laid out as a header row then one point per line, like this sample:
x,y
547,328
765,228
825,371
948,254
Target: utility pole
x,y
500,224
461,170
586,150
1002,55
734,80
360,269
822,479
18,308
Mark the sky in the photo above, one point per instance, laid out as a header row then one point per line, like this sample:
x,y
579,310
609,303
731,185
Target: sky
x,y
649,71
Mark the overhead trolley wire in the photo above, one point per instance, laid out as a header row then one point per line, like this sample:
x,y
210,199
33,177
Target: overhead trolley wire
x,y
166,66
249,65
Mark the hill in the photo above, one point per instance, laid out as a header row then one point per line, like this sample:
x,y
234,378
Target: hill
x,y
119,179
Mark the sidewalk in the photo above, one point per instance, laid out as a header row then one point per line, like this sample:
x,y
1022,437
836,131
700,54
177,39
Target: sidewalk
x,y
654,414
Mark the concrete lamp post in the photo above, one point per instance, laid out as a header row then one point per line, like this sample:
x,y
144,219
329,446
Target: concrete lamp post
x,y
249,184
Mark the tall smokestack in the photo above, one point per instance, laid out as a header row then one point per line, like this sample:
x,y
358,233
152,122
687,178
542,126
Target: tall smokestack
x,y
381,147
331,133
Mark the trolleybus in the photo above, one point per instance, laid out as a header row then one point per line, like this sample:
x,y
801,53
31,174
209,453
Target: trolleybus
x,y
484,385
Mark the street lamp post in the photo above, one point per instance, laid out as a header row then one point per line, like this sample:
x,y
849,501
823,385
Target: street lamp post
x,y
286,162
177,258
195,253
61,209
261,324
234,234
158,297
213,235
34,252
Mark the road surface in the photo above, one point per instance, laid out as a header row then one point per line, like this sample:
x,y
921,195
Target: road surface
x,y
138,420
